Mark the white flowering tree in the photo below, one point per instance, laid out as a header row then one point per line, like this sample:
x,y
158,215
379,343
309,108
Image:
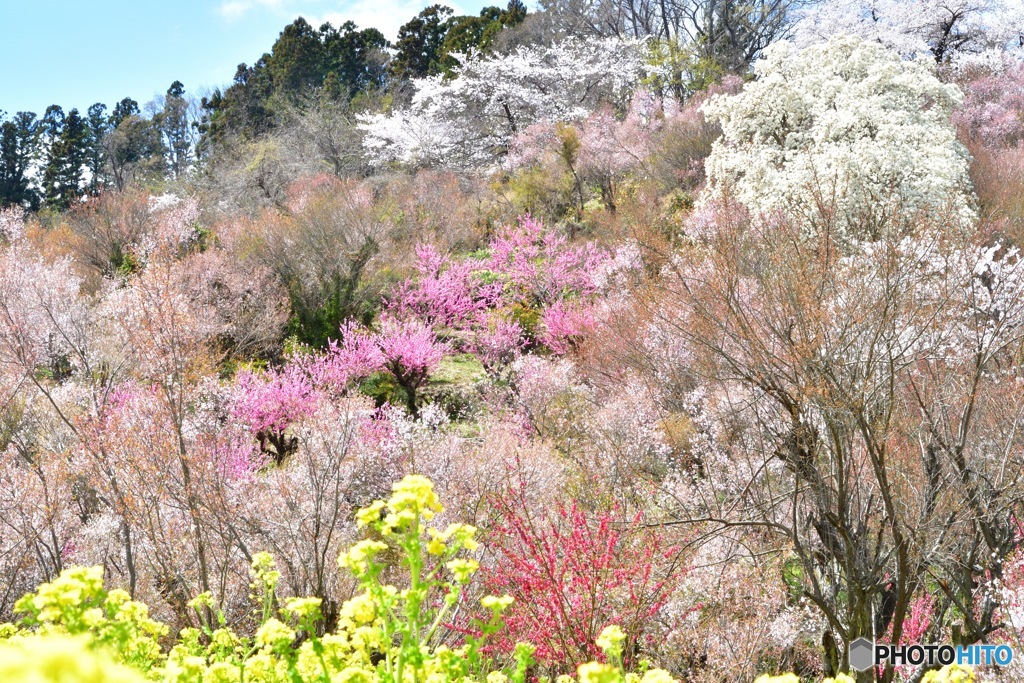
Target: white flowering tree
x,y
945,30
842,136
463,120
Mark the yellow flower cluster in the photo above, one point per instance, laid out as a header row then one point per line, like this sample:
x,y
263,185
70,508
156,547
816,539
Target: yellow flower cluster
x,y
595,672
611,639
59,659
412,499
76,603
953,673
458,535
383,634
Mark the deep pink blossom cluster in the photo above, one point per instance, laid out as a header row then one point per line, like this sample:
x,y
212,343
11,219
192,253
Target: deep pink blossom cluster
x,y
269,403
532,289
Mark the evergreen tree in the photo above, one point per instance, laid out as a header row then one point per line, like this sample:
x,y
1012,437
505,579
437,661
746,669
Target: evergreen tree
x,y
122,110
18,140
331,90
419,43
296,63
51,128
242,109
98,124
466,34
355,57
66,154
174,125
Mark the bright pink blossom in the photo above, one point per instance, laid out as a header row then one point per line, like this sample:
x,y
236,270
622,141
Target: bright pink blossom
x,y
564,323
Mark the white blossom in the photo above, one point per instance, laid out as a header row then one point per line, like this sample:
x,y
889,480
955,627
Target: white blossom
x,y
953,31
845,128
464,119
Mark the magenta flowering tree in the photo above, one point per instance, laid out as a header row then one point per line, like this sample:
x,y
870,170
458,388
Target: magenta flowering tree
x,y
410,352
445,294
353,357
563,324
539,266
532,290
269,403
497,341
405,347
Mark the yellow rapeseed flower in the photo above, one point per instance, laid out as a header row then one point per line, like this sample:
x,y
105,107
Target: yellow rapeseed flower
x,y
416,494
496,604
59,659
462,569
611,639
304,608
595,672
657,676
782,678
274,635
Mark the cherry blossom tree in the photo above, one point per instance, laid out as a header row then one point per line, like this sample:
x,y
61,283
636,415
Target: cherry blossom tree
x,y
992,107
468,118
962,31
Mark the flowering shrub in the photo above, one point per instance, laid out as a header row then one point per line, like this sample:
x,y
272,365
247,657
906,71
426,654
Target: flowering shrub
x,y
992,107
842,134
269,404
570,575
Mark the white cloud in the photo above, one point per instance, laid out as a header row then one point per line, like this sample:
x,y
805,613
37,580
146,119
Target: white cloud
x,y
236,9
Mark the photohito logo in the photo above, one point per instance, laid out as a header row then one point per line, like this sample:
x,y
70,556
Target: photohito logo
x,y
864,654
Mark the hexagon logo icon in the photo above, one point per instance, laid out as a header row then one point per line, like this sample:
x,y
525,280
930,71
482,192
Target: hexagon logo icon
x,y
862,654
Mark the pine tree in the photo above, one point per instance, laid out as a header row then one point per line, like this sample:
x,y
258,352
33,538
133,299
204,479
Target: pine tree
x,y
355,57
122,110
419,43
296,63
98,125
67,140
51,129
466,34
18,141
174,125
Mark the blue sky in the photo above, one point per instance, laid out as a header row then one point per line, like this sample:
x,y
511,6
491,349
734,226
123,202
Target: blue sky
x,y
77,52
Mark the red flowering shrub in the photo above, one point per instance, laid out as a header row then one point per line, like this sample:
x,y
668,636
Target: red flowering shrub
x,y
572,574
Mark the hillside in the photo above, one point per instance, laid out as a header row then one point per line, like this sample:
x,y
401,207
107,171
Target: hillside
x,y
682,347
